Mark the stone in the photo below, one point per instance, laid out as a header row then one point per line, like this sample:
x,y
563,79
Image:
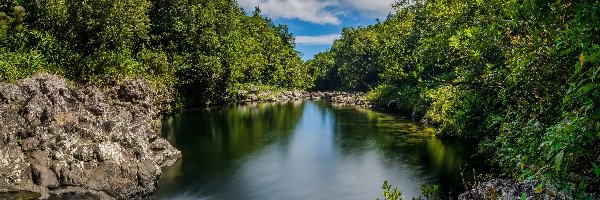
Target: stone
x,y
508,190
340,98
255,90
44,177
135,90
30,144
296,94
61,140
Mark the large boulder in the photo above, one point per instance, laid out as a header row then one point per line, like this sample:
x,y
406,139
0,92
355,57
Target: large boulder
x,y
59,138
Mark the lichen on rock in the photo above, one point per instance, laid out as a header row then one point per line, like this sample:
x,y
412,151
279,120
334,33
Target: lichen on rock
x,y
57,139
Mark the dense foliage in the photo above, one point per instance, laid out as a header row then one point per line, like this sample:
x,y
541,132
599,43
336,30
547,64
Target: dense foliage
x,y
204,49
520,76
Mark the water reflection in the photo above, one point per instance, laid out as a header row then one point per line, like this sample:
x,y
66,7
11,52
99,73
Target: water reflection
x,y
304,151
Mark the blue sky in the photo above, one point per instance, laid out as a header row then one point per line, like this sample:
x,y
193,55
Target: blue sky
x,y
316,23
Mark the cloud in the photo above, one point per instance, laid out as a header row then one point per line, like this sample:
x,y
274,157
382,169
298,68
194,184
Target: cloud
x,y
372,8
317,40
318,11
315,11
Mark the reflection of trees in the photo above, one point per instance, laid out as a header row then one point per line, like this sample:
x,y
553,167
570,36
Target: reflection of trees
x,y
228,132
213,140
361,125
404,142
443,156
214,137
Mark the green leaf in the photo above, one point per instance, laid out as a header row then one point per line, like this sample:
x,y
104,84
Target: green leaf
x,y
567,99
578,67
558,161
593,57
582,185
596,170
568,51
586,88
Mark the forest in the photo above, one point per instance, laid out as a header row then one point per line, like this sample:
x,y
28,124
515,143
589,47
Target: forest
x,y
198,50
520,78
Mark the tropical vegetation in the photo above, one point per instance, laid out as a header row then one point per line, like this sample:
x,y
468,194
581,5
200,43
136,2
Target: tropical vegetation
x,y
518,77
200,50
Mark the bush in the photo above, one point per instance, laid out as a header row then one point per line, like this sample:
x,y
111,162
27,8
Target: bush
x,y
404,98
19,65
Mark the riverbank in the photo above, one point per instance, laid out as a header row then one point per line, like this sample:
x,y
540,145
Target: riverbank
x,y
63,139
345,98
506,189
59,138
67,139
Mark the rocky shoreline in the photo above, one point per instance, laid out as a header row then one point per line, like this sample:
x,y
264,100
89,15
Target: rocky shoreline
x,y
66,140
59,138
344,98
508,190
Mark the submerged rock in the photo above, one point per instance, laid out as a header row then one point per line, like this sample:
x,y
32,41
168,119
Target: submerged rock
x,y
57,139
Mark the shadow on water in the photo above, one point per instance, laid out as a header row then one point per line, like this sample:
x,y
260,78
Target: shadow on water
x,y
305,150
19,196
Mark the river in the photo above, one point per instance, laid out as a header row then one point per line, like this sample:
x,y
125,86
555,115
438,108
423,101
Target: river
x,y
306,150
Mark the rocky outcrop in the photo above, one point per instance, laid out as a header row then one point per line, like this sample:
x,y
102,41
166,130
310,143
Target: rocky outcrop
x,y
357,99
58,138
507,190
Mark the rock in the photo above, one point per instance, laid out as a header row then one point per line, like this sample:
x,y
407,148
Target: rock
x,y
508,190
42,176
296,94
30,144
254,90
57,139
135,90
342,98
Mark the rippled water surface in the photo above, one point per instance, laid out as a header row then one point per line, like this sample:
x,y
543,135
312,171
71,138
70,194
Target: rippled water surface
x,y
305,150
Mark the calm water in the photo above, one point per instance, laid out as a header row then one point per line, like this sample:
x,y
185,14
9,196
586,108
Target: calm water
x,y
305,150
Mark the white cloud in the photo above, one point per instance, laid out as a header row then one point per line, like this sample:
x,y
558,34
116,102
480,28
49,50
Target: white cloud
x,y
317,40
373,8
315,11
318,11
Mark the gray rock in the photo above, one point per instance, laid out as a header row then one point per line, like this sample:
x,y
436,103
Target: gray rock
x,y
296,94
341,98
255,90
507,190
44,177
57,139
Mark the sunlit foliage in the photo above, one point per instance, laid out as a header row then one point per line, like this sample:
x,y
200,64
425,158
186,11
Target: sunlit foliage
x,y
519,76
201,49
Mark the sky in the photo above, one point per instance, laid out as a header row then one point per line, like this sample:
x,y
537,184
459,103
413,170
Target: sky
x,y
317,23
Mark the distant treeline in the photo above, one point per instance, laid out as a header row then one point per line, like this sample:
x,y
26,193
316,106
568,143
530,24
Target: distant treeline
x,y
200,50
521,77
